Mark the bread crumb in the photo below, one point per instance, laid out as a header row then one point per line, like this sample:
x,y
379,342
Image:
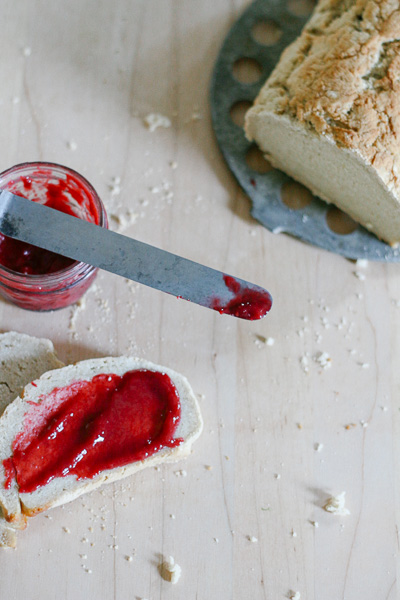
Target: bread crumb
x,y
72,145
128,558
173,164
318,447
323,359
277,475
114,186
155,120
181,473
359,275
304,362
252,539
294,595
170,571
315,524
362,263
293,533
350,426
66,529
335,505
208,467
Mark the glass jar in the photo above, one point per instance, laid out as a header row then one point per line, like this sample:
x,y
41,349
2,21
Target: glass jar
x,y
33,278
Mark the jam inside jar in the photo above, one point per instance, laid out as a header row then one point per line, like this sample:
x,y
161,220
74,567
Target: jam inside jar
x,y
34,278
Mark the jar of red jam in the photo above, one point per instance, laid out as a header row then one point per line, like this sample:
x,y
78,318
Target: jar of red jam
x,y
34,278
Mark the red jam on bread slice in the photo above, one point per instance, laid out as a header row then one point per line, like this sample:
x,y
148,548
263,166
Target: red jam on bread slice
x,y
90,426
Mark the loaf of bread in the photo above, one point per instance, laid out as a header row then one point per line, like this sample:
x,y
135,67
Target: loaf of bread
x,y
329,114
43,412
23,358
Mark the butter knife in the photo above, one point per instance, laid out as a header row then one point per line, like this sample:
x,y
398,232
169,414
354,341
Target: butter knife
x,y
85,242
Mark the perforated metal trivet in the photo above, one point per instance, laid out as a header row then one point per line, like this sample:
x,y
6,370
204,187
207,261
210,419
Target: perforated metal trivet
x,y
308,224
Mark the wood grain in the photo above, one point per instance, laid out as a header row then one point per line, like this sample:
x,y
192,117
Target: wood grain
x,y
94,71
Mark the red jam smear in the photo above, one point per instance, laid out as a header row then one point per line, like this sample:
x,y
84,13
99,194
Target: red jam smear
x,y
66,195
89,426
247,303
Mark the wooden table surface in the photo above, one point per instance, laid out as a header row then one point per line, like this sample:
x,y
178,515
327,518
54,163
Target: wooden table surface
x,y
282,432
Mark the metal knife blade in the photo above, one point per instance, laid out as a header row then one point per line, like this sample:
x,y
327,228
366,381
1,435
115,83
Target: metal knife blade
x,y
69,236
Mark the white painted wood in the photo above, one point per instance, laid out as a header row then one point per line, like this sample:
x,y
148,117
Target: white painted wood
x,y
95,70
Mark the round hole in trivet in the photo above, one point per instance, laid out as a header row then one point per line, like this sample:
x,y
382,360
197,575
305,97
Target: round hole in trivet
x,y
266,32
238,110
301,8
256,161
339,222
295,195
247,70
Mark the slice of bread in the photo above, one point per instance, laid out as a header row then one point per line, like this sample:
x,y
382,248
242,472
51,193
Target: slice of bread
x,y
23,415
328,115
23,358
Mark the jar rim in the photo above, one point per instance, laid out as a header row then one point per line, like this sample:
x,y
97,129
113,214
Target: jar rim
x,y
77,267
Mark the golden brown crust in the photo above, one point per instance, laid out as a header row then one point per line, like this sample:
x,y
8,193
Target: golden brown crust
x,y
341,78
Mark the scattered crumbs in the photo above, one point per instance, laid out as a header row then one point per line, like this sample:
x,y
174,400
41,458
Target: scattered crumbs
x,y
115,186
277,475
128,558
304,362
72,145
66,529
315,524
155,120
84,540
294,595
252,539
208,467
89,571
265,508
299,425
359,275
318,447
124,220
323,359
364,423
336,505
180,473
364,365
83,556
91,529
361,263
226,457
170,571
350,426
172,516
216,540
76,308
27,51
293,533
